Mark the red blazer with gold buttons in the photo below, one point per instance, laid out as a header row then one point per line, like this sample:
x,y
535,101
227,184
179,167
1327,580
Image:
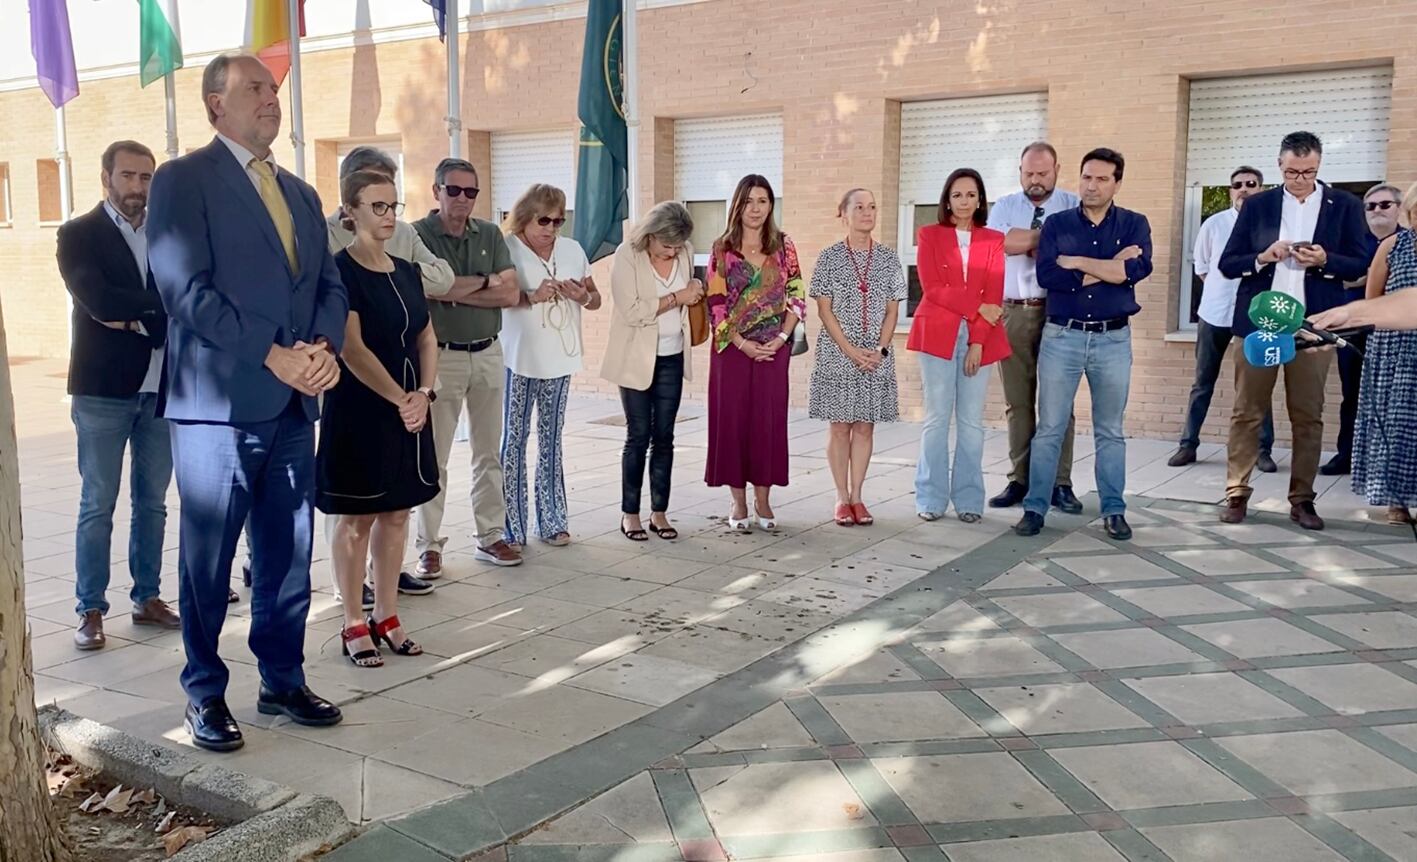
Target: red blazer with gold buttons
x,y
950,295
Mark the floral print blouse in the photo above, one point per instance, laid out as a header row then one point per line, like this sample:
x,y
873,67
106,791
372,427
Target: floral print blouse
x,y
750,301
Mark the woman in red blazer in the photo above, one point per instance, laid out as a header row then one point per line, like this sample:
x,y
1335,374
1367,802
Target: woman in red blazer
x,y
957,330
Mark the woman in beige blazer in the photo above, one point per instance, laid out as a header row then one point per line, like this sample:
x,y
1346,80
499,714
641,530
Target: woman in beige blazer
x,y
652,284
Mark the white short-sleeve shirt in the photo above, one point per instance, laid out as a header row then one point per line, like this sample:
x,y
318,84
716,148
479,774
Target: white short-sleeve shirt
x,y
544,341
1218,295
1016,211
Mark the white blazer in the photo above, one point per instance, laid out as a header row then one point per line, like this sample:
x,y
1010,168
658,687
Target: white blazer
x,y
634,326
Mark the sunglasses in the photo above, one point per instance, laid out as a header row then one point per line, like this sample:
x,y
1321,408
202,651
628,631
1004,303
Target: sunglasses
x,y
1380,205
1245,184
381,209
469,192
548,220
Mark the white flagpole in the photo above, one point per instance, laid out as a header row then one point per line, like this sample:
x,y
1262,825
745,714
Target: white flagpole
x,y
61,155
169,83
630,34
297,117
454,118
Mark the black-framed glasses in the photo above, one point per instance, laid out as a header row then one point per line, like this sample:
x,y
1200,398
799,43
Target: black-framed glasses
x,y
1379,205
1245,184
1292,174
381,209
469,192
548,220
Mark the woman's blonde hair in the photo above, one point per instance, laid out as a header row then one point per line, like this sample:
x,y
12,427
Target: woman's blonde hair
x,y
1409,206
669,222
846,200
540,199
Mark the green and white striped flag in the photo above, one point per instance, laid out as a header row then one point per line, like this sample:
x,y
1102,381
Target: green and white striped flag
x,y
159,51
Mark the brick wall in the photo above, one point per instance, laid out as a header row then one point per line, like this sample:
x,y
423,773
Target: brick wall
x,y
837,73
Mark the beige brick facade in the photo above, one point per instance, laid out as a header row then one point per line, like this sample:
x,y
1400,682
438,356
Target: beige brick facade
x,y
1115,74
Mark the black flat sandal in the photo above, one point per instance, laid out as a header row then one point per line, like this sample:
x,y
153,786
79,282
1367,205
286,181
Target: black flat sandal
x,y
634,535
666,533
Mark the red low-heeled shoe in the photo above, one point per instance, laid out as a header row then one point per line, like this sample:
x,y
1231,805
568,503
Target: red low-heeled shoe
x,y
862,516
844,516
364,657
381,633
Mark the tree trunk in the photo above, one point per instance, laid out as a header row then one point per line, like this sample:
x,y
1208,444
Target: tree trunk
x,y
29,828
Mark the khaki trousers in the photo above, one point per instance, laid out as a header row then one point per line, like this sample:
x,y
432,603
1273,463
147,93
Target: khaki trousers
x,y
1019,372
1304,381
474,381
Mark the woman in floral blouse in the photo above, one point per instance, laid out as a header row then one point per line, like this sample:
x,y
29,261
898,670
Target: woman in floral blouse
x,y
756,298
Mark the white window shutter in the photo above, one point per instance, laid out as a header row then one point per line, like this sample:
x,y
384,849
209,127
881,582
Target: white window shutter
x,y
712,155
523,159
986,133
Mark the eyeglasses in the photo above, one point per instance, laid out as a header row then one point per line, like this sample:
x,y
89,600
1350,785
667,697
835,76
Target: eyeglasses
x,y
548,220
1291,174
1380,205
469,192
1245,184
381,209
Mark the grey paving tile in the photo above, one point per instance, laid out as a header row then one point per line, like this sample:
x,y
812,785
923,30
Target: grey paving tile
x,y
894,717
1068,708
1380,629
1075,847
966,787
1270,840
848,845
1023,576
984,657
1298,593
1351,689
1211,698
880,667
563,714
957,618
1058,610
1137,647
471,752
1404,734
630,812
1260,638
1391,830
381,844
1330,558
760,798
1184,600
1399,588
774,727
1111,568
1229,561
644,679
1148,775
1319,762
456,827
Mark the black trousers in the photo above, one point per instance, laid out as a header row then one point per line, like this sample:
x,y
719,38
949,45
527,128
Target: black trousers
x,y
649,427
1350,372
1211,344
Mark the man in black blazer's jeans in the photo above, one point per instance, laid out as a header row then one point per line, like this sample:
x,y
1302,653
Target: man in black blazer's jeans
x,y
1305,239
115,366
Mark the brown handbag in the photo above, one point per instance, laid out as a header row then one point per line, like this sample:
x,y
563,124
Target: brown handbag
x,y
698,324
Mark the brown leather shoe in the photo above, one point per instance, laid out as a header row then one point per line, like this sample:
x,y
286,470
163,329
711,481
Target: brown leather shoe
x,y
1234,510
1305,516
89,634
155,612
430,565
499,553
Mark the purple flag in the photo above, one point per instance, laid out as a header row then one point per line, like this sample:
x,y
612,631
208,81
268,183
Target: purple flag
x,y
53,49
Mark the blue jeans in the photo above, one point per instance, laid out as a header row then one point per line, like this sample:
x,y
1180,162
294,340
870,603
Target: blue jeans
x,y
949,392
106,426
1064,357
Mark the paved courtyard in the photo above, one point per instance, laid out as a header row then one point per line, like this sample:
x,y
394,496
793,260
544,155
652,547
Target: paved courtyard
x,y
907,691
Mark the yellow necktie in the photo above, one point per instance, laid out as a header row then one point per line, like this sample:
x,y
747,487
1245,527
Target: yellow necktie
x,y
278,208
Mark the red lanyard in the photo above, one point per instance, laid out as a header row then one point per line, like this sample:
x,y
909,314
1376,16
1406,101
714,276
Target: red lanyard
x,y
861,282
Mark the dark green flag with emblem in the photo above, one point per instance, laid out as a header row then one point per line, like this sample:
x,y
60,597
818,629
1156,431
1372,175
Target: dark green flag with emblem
x,y
601,203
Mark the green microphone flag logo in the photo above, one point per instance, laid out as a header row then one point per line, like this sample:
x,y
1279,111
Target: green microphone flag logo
x,y
1272,311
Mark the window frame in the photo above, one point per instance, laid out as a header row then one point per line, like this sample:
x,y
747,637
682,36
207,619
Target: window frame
x,y
7,209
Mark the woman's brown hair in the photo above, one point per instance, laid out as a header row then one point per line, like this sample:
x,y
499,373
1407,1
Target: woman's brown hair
x,y
733,235
352,187
981,213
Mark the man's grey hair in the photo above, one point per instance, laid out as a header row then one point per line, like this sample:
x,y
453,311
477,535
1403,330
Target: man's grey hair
x,y
1384,187
669,222
214,77
368,159
447,166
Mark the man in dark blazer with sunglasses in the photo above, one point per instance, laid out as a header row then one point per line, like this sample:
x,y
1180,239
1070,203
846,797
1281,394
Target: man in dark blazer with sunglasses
x,y
1305,239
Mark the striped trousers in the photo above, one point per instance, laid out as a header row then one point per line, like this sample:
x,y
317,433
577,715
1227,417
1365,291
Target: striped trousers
x,y
549,399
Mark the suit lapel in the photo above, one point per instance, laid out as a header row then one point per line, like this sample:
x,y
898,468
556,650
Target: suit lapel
x,y
235,176
1270,224
1325,209
978,261
952,260
117,247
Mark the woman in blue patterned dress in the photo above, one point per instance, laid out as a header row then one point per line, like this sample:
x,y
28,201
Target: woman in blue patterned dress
x,y
1385,461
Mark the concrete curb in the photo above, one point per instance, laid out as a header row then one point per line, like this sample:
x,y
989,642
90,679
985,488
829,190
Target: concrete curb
x,y
272,823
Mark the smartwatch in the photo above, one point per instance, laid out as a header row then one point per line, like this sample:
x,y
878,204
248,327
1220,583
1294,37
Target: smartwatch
x,y
886,351
429,393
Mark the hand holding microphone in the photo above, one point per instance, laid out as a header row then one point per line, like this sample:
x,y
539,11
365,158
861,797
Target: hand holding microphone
x,y
1275,312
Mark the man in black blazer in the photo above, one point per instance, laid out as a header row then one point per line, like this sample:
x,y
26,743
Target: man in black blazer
x,y
115,365
1305,239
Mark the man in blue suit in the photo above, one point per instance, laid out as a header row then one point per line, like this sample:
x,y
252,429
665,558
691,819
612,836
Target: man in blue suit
x,y
1303,238
257,315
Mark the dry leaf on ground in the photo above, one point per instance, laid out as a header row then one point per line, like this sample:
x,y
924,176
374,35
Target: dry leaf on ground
x,y
165,824
91,805
117,800
175,840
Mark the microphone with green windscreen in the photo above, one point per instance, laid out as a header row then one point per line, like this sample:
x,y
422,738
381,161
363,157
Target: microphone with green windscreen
x,y
1273,311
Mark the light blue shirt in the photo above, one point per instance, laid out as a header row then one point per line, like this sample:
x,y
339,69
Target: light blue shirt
x,y
1016,211
137,240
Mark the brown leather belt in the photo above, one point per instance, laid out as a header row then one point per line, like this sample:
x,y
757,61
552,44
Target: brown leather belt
x,y
1027,303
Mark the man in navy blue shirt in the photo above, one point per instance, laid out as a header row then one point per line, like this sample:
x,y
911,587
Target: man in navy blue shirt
x,y
1089,260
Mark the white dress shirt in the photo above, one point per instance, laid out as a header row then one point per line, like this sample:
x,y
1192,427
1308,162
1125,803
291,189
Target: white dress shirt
x,y
544,341
963,237
244,157
1218,296
1296,224
1016,211
671,322
137,239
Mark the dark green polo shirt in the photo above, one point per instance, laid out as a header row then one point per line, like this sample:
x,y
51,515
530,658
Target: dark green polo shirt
x,y
481,250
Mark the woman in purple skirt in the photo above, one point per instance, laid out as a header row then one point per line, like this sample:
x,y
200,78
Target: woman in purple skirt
x,y
755,299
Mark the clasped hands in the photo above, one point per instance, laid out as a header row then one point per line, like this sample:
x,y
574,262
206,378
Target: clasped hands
x,y
1306,255
307,368
413,410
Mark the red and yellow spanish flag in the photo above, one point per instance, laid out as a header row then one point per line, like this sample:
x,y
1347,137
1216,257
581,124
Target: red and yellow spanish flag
x,y
268,33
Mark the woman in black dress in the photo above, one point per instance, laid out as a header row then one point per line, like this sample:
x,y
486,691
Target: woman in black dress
x,y
376,459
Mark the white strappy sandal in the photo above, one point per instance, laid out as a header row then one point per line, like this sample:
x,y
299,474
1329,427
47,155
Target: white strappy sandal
x,y
765,523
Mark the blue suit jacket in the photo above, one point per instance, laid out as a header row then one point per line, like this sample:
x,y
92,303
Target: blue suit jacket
x,y
229,290
1340,230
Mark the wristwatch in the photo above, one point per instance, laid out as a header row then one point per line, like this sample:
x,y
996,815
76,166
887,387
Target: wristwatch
x,y
428,393
886,351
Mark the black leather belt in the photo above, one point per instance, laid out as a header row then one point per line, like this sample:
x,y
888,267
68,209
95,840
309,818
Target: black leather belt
x,y
468,346
1091,325
1027,303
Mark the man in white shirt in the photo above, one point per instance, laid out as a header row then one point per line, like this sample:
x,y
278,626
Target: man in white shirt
x,y
115,365
1217,309
1020,218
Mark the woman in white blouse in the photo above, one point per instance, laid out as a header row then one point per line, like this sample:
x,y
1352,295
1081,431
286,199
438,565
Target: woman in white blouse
x,y
541,341
653,284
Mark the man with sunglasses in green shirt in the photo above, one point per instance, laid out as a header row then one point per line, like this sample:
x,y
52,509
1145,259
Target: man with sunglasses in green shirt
x,y
467,321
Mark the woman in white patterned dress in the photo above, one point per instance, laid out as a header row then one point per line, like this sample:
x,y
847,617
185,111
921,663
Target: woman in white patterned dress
x,y
859,285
